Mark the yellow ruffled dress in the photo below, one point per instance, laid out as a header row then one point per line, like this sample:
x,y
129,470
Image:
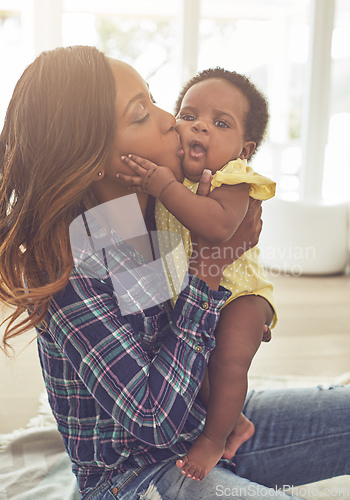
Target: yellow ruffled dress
x,y
245,276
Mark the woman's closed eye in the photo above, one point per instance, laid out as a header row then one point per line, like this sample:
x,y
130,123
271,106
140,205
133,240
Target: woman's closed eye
x,y
140,113
143,112
142,119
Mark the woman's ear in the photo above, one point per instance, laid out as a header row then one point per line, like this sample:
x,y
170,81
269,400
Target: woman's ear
x,y
100,175
248,149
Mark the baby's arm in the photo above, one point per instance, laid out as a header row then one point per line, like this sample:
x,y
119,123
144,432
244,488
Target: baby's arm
x,y
214,218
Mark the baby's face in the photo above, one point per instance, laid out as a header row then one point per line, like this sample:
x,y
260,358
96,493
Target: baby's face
x,y
211,124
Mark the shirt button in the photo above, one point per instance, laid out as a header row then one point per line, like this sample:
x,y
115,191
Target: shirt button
x,y
205,305
198,348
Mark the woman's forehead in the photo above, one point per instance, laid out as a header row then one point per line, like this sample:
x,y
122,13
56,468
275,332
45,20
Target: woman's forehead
x,y
125,74
130,87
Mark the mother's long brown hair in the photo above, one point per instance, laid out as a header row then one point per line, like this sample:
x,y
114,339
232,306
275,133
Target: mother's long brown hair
x,y
59,127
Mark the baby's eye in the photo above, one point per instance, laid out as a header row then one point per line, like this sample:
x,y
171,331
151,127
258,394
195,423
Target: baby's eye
x,y
188,118
221,124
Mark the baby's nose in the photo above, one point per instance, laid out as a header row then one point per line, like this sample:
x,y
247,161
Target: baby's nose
x,y
200,126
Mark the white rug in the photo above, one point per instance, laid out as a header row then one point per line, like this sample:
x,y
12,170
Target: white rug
x,y
35,466
33,461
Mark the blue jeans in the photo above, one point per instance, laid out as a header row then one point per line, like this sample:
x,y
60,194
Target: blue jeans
x,y
301,436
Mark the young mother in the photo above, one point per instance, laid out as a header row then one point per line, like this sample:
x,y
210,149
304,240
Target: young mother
x,y
123,388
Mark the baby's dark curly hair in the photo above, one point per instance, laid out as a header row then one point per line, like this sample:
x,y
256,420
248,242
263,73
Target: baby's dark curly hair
x,y
258,114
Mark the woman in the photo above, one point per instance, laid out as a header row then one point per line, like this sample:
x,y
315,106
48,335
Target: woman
x,y
123,386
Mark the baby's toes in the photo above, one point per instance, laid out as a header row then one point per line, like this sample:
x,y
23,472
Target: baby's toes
x,y
181,462
198,474
191,472
186,467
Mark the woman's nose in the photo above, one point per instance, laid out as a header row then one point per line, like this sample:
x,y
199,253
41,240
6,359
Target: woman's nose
x,y
168,120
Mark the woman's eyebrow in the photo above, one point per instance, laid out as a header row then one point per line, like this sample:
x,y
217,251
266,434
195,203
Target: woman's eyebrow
x,y
137,97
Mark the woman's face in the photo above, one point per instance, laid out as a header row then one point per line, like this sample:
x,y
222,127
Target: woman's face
x,y
142,128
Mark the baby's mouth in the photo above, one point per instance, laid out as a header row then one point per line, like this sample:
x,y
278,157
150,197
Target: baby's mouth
x,y
197,150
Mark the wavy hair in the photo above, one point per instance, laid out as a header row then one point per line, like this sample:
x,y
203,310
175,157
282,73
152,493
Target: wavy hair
x,y
58,130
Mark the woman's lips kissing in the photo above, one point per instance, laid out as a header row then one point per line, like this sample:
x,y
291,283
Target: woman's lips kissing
x,y
180,150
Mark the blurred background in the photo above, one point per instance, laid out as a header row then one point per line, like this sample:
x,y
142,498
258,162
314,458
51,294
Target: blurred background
x,y
298,53
292,49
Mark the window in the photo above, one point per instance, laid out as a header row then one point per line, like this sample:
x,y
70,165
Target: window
x,y
337,163
15,53
268,42
143,34
167,41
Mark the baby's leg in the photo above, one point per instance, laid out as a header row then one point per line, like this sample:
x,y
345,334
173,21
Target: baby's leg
x,y
238,336
204,454
243,430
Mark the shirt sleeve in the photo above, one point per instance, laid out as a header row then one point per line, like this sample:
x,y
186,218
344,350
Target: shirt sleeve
x,y
149,395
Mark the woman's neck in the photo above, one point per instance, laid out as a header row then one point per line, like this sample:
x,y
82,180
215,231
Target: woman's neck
x,y
141,243
105,191
142,199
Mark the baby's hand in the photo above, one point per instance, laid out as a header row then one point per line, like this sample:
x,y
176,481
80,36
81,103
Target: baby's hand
x,y
150,178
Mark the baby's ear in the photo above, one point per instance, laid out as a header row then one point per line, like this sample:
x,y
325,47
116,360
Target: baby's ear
x,y
248,150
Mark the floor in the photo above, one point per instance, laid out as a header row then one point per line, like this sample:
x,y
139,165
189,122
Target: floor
x,y
312,338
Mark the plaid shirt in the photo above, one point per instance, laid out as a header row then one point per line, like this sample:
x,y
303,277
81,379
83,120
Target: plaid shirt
x,y
123,389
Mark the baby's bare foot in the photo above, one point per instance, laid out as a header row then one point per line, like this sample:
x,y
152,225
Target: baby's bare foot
x,y
203,455
244,429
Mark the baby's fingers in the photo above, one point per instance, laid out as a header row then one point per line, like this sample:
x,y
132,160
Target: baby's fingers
x,y
135,161
130,180
133,165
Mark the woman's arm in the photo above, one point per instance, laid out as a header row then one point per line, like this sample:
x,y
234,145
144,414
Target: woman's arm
x,y
149,395
214,218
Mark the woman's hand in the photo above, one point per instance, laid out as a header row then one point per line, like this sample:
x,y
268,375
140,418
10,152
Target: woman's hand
x,y
207,261
149,177
247,235
266,334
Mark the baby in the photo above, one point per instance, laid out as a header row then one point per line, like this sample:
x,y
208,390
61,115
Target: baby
x,y
221,120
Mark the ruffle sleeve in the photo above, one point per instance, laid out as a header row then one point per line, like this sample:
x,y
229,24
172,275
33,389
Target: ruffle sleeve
x,y
238,172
